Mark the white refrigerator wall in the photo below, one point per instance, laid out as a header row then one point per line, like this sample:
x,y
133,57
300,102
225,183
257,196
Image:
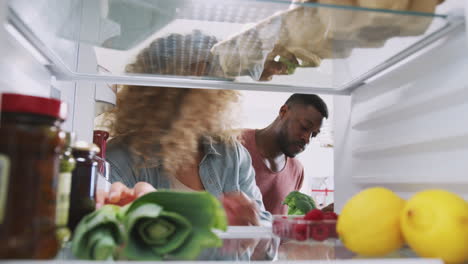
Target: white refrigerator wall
x,y
408,129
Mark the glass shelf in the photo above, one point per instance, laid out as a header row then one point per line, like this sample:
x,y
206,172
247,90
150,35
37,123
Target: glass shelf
x,y
251,244
269,45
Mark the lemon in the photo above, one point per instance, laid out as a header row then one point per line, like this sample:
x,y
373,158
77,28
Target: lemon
x,y
435,225
369,223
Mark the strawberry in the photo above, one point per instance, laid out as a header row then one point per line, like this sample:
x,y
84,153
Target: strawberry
x,y
314,215
300,232
330,216
319,232
279,228
331,229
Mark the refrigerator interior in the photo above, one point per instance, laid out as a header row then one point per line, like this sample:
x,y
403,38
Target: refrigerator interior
x,y
399,113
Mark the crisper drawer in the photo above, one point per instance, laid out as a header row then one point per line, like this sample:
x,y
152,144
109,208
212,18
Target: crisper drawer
x,y
259,244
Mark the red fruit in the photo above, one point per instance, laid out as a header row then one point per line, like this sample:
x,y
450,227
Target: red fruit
x,y
279,228
330,216
299,232
331,229
319,232
314,215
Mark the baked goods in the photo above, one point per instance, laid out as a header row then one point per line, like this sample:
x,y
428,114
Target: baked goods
x,y
305,35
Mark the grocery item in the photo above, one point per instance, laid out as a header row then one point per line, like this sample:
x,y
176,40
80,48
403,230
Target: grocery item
x,y
435,225
30,145
304,35
330,215
67,164
300,229
84,181
369,223
384,4
157,226
370,28
314,214
100,139
298,203
98,234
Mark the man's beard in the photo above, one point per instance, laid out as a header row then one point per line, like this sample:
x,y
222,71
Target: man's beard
x,y
284,144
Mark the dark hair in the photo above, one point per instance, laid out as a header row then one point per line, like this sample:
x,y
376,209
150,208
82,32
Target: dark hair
x,y
308,99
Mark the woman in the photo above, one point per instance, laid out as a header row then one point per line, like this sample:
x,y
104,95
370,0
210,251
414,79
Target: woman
x,y
175,138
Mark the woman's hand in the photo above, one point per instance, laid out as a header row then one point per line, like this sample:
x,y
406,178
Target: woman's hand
x,y
119,194
240,209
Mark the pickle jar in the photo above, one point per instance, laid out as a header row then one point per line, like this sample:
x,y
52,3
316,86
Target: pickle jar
x,y
30,145
84,181
67,165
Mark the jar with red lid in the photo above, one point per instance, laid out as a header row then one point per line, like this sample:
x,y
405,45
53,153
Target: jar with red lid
x,y
30,145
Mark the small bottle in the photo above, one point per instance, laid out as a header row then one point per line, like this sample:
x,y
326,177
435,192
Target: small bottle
x,y
84,180
99,138
67,164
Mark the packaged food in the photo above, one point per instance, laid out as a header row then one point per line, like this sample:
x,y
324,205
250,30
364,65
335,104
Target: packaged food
x,y
30,145
67,164
84,181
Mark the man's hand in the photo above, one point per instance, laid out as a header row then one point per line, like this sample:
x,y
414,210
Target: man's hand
x,y
119,194
240,209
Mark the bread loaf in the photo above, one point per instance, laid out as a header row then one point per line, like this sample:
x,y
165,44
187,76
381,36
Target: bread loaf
x,y
384,4
308,34
415,25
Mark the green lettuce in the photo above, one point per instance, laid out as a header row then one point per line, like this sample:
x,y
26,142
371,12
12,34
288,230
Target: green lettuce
x,y
157,226
172,225
98,234
298,203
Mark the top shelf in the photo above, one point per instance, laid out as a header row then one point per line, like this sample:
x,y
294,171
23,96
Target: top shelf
x,y
322,47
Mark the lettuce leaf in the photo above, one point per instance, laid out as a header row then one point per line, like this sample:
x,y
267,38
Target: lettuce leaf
x,y
98,234
299,203
172,225
157,226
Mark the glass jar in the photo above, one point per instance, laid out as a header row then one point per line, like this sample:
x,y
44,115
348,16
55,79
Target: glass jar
x,y
67,164
30,145
84,180
99,138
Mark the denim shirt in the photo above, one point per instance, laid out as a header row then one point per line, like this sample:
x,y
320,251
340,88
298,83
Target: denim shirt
x,y
223,169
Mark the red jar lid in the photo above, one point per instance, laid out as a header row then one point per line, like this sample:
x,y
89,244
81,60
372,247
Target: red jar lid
x,y
20,103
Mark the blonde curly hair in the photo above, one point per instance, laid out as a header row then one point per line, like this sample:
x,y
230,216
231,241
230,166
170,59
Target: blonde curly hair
x,y
165,126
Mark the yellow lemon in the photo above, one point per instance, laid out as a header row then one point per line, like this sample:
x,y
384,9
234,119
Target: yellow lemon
x,y
435,225
369,223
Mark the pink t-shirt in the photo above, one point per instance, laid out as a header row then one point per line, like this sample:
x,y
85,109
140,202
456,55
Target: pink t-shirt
x,y
274,186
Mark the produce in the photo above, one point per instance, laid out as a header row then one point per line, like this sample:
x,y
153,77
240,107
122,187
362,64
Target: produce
x,y
98,234
314,215
298,203
330,216
319,232
435,225
369,223
157,226
172,225
290,66
315,225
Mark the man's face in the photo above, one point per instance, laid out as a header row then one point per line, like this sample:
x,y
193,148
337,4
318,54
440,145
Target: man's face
x,y
299,124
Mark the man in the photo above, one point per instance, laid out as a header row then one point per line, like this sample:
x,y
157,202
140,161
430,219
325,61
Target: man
x,y
274,147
